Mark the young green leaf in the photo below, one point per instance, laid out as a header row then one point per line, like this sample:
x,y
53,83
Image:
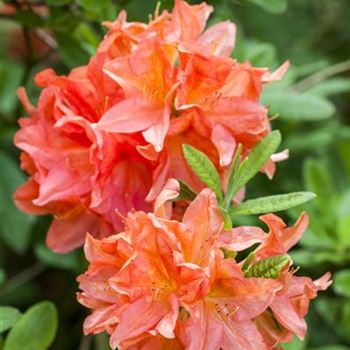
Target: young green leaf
x,y
269,267
9,316
186,192
272,203
227,219
35,330
204,169
229,254
233,169
253,163
248,260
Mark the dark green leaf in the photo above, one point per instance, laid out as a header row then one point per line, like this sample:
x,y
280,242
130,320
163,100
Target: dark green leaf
x,y
93,5
268,268
69,261
35,330
71,51
15,226
204,169
9,316
62,20
58,2
186,192
2,277
29,18
272,203
11,75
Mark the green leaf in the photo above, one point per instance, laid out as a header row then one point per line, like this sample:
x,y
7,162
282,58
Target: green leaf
x,y
11,74
227,219
308,259
331,347
256,159
342,282
87,37
228,254
295,344
274,6
204,169
186,192
58,2
15,226
343,219
62,20
248,260
273,203
330,87
316,139
71,51
335,311
35,330
260,54
233,169
268,268
9,316
317,179
93,5
2,277
68,261
102,341
297,107
29,18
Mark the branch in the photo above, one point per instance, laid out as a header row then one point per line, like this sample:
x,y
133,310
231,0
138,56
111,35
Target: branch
x,y
322,75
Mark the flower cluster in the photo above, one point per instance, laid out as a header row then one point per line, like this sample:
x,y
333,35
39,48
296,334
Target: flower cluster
x,y
105,148
109,135
165,284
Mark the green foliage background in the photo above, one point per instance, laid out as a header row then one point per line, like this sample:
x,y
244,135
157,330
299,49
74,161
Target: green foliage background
x,y
313,106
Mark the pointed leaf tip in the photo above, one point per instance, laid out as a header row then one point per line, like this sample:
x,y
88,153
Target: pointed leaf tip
x,y
203,167
273,203
256,159
268,268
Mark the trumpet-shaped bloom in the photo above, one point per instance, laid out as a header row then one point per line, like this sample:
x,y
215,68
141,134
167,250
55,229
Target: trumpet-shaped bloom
x,y
108,136
181,87
164,283
78,175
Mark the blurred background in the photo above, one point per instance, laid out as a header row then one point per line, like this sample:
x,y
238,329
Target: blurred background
x,y
311,107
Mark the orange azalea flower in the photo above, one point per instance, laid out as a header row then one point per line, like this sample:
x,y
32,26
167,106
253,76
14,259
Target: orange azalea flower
x,y
175,275
292,301
78,175
181,87
109,135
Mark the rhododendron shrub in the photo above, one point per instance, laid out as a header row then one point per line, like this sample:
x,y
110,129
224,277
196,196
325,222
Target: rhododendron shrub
x,y
109,135
144,154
